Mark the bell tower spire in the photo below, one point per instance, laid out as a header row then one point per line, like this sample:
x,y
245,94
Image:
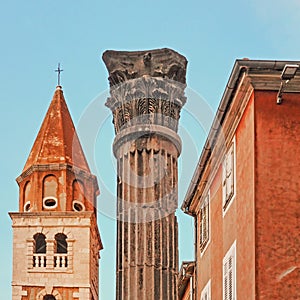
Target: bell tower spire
x,y
56,238
56,157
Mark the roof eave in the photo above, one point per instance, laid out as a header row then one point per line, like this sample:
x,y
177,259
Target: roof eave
x,y
211,136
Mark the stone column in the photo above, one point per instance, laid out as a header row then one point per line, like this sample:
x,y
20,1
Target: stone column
x,y
146,96
50,253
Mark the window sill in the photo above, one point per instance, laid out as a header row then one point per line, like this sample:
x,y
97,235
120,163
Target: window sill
x,y
48,270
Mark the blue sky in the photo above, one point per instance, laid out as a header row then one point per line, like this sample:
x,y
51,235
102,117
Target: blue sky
x,y
36,35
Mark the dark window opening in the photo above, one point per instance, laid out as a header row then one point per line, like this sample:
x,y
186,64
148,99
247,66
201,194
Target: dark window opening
x,y
40,243
77,206
27,206
51,202
61,243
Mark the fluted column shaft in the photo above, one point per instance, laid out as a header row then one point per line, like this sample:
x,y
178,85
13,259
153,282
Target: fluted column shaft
x,y
146,96
147,259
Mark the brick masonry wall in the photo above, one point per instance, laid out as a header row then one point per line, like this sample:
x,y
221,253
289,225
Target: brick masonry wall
x,y
77,278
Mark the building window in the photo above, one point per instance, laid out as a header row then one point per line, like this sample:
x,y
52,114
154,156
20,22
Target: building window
x,y
39,243
61,243
229,274
54,254
61,251
206,294
228,177
39,255
204,223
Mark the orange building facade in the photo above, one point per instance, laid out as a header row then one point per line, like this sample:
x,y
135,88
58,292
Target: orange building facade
x,y
245,193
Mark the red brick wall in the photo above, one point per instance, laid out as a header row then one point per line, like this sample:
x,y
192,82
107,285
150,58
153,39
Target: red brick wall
x,y
277,196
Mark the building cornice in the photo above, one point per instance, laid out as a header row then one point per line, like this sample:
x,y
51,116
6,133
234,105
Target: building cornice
x,y
44,215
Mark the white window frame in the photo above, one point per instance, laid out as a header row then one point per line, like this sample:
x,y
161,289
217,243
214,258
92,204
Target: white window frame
x,y
229,267
204,243
229,177
206,292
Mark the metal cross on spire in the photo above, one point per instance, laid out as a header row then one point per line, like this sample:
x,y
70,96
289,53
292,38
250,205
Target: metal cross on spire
x,y
59,70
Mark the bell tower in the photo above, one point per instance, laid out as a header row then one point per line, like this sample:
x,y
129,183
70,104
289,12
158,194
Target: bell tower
x,y
146,97
56,241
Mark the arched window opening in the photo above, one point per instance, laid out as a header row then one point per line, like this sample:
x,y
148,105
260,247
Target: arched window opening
x,y
26,196
49,297
39,255
50,192
61,243
61,250
40,243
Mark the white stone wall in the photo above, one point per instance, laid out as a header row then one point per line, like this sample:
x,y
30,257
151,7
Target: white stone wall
x,y
77,274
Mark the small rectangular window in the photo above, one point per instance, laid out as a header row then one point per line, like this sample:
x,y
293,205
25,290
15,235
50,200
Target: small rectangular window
x,y
228,176
204,223
206,293
229,274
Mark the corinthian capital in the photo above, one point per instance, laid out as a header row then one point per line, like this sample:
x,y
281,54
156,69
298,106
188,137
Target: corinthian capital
x,y
125,65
